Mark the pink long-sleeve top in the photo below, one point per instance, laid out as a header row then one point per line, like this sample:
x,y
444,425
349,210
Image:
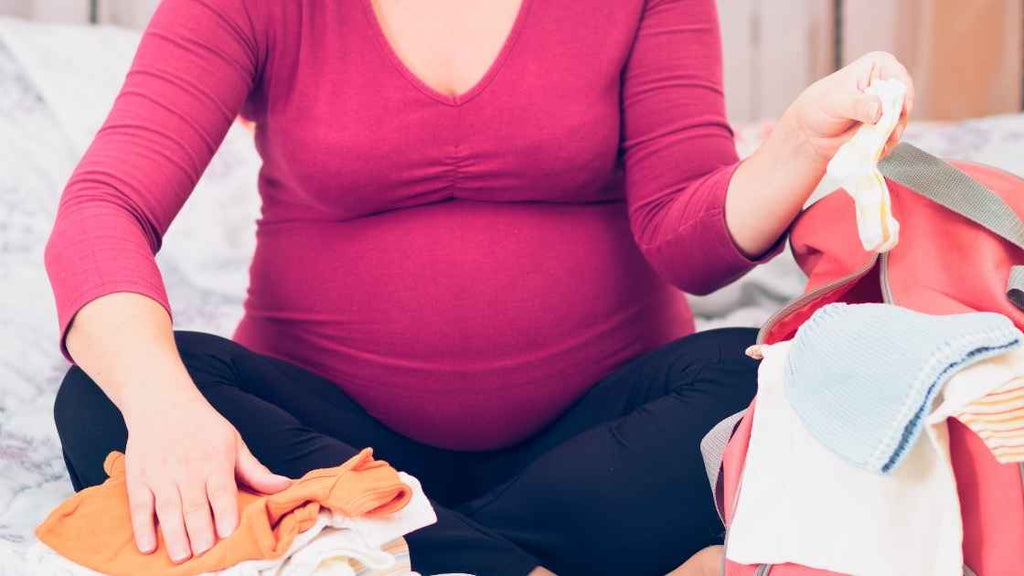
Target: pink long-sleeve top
x,y
463,267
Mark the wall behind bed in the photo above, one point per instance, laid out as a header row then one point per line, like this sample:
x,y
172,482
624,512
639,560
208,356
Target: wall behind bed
x,y
966,55
133,13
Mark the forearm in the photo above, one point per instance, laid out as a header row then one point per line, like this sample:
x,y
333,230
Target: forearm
x,y
125,343
770,187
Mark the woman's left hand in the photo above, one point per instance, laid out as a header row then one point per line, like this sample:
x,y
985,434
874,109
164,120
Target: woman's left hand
x,y
828,112
769,188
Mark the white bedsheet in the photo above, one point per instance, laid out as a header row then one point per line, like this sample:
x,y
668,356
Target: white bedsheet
x,y
56,84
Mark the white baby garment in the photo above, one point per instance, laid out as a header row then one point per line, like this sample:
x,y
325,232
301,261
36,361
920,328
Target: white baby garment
x,y
976,381
800,503
855,168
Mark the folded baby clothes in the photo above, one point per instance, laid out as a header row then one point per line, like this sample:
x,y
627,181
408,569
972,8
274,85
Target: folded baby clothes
x,y
863,377
342,552
988,397
998,419
800,503
350,545
322,554
92,529
855,168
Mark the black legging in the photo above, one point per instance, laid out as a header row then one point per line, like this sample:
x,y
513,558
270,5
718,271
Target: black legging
x,y
615,486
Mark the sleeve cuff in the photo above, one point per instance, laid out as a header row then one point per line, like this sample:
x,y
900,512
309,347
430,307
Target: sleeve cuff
x,y
703,257
67,310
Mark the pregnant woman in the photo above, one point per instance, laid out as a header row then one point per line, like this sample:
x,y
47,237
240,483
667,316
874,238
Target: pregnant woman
x,y
477,219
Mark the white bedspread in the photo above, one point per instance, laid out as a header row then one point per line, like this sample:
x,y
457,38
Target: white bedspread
x,y
56,84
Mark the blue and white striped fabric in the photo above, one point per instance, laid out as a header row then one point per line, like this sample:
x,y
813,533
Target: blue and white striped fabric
x,y
862,377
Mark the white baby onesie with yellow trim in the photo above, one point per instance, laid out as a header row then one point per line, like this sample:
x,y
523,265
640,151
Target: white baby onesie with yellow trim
x,y
801,503
855,168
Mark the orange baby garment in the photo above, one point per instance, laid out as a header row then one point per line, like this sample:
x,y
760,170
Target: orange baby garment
x,y
93,528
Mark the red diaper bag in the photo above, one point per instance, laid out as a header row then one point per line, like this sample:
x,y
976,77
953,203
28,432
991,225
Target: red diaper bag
x,y
961,249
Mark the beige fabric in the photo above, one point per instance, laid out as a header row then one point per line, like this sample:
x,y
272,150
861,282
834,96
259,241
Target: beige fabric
x,y
855,168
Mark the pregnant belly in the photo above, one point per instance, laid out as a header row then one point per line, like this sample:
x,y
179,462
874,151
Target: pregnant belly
x,y
464,325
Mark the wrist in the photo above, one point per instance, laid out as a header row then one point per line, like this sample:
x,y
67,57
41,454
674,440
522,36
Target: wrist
x,y
145,401
790,157
791,140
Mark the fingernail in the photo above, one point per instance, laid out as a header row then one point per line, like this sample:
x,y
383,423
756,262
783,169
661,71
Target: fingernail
x,y
179,555
225,528
146,546
202,547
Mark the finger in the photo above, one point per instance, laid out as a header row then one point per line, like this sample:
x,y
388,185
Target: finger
x,y
256,475
172,525
897,133
140,507
876,71
891,67
864,67
902,121
911,99
869,69
195,509
859,107
222,492
864,79
892,142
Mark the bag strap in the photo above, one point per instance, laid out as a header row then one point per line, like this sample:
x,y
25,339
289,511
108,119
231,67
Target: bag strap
x,y
951,188
712,448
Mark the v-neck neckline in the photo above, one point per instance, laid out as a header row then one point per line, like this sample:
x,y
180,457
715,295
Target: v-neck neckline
x,y
419,83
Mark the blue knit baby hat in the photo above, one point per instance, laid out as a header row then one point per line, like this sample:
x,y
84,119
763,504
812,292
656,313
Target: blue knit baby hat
x,y
862,377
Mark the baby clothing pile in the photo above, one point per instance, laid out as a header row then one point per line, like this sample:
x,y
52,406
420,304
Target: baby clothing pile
x,y
848,467
344,521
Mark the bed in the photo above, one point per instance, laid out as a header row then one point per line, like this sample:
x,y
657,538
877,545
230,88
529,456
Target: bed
x,y
56,83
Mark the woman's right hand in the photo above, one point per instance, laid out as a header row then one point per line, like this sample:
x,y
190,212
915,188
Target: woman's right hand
x,y
182,462
183,458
